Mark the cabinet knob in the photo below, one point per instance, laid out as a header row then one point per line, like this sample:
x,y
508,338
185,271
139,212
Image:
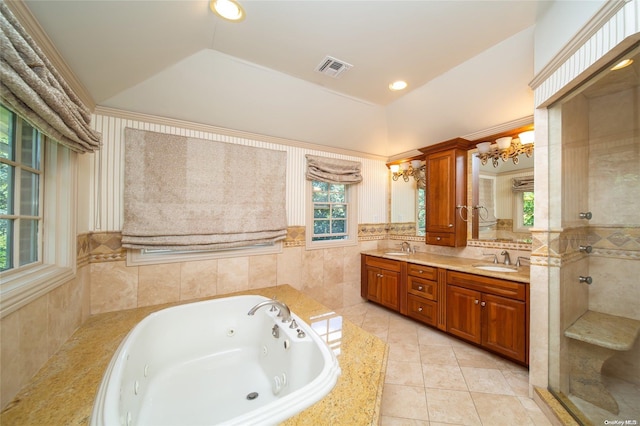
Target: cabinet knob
x,y
476,301
438,238
483,304
379,275
420,288
421,271
420,309
451,225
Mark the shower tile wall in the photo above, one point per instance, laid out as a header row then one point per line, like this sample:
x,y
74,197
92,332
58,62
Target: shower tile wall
x,y
601,174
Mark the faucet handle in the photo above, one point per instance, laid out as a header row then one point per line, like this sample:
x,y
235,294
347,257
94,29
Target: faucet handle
x,y
528,259
495,256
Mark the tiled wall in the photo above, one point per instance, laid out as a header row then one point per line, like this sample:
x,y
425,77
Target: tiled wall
x,y
331,276
32,334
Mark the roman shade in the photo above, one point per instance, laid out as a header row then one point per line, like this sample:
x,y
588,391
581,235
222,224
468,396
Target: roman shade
x,y
522,184
183,193
333,170
34,89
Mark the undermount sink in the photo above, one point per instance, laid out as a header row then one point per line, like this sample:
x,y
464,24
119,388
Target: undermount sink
x,y
397,253
497,268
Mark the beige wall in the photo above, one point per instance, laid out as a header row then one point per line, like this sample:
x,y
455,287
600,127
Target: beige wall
x,y
32,334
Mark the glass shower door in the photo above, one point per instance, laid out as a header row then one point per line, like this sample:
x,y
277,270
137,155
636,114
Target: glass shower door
x,y
594,160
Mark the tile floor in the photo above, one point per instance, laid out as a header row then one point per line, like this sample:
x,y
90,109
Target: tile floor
x,y
434,379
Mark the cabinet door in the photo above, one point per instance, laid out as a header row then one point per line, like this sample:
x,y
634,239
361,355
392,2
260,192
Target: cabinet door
x,y
441,192
373,284
463,313
390,289
504,326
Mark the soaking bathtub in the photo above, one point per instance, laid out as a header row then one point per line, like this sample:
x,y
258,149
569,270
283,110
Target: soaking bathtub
x,y
210,363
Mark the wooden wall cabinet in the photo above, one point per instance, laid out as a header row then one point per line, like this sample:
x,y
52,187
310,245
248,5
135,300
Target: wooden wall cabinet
x,y
489,312
446,177
383,282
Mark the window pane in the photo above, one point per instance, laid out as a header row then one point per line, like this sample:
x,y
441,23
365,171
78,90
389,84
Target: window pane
x,y
30,153
6,134
29,193
6,189
321,211
527,208
321,226
339,211
338,226
6,238
28,241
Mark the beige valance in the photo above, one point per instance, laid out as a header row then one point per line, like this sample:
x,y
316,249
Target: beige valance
x,y
333,170
523,184
34,89
184,193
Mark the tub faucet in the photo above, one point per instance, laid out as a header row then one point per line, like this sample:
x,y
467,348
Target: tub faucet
x,y
285,312
507,259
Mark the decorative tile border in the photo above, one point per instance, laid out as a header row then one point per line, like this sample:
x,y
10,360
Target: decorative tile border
x,y
557,248
96,247
506,245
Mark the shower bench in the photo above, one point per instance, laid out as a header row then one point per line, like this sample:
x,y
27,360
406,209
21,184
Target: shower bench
x,y
594,338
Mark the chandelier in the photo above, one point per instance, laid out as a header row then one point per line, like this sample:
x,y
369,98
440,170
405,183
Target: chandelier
x,y
415,168
506,148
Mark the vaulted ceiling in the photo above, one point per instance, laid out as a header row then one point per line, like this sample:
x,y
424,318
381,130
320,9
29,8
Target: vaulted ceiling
x,y
114,47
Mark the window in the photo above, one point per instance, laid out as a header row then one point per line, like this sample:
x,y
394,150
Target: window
x,y
421,211
332,216
37,232
20,195
524,210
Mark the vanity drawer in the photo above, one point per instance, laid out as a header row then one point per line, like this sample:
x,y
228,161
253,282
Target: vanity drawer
x,y
423,288
422,309
420,271
441,238
379,262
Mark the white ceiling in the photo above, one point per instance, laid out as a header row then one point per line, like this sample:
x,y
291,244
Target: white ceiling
x,y
177,59
114,45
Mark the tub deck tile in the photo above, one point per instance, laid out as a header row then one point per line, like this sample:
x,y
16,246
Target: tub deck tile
x,y
63,391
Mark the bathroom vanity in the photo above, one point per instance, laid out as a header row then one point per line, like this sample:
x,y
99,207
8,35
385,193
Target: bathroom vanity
x,y
487,308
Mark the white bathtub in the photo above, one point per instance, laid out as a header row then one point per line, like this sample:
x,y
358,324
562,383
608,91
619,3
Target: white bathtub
x,y
210,363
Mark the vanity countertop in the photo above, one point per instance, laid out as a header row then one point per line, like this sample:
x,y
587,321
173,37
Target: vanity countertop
x,y
63,391
453,263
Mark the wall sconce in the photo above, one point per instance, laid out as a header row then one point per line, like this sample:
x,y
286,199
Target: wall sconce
x,y
407,169
506,148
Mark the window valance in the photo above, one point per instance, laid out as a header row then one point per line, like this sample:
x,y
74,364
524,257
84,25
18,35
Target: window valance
x,y
522,184
184,193
333,170
34,89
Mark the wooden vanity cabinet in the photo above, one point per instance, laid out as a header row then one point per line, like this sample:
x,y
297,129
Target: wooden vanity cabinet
x,y
382,281
446,177
489,312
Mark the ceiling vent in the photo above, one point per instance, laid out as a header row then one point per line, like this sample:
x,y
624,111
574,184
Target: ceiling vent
x,y
332,67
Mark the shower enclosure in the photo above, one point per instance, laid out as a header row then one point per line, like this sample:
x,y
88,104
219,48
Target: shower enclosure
x,y
594,197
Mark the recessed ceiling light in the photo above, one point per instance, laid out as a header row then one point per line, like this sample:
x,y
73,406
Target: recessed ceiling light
x,y
398,85
622,64
230,10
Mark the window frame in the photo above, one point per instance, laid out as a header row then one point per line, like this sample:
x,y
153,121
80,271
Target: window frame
x,y
351,195
57,245
518,223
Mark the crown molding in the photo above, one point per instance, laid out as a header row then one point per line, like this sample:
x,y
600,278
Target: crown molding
x,y
22,13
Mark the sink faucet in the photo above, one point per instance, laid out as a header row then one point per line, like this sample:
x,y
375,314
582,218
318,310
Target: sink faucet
x,y
406,246
285,312
507,259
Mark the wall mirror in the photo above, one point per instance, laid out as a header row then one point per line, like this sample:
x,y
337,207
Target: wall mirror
x,y
407,201
501,192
